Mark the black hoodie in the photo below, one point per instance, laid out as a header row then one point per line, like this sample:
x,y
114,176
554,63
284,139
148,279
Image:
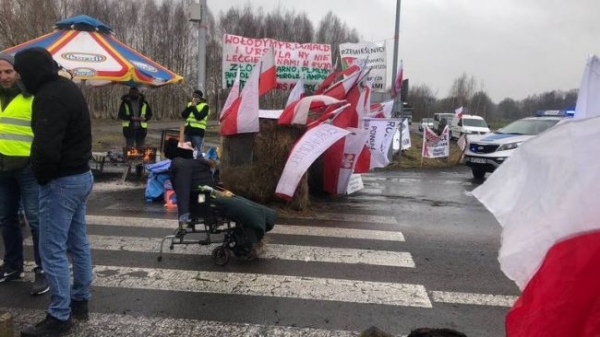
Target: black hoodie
x,y
62,142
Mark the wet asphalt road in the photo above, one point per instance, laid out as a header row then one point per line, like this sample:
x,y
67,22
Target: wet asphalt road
x,y
451,238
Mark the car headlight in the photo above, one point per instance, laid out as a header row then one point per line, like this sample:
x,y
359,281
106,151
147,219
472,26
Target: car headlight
x,y
509,146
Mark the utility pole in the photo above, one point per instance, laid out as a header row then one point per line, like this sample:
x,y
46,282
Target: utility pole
x,y
199,14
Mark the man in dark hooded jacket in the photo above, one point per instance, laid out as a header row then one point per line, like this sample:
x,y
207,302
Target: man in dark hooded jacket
x,y
60,155
134,112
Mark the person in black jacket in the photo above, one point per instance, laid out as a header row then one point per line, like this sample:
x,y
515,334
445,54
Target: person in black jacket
x,y
61,151
135,112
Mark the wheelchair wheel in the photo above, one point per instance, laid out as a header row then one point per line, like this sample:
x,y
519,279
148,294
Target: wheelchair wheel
x,y
220,256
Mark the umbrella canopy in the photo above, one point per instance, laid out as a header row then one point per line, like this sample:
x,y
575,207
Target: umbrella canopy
x,y
87,48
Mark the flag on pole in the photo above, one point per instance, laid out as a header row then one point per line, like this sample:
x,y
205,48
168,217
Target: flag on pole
x,y
242,115
588,99
545,197
296,93
234,93
458,112
268,72
397,85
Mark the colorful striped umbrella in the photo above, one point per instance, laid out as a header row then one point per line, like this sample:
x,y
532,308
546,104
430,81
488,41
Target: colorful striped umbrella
x,y
87,48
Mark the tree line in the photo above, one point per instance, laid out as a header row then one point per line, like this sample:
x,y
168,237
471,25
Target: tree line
x,y
160,29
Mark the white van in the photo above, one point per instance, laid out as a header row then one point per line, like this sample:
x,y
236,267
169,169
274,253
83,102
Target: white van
x,y
468,124
437,118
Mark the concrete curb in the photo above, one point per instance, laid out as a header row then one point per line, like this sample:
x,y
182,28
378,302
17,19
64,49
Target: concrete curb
x,y
6,324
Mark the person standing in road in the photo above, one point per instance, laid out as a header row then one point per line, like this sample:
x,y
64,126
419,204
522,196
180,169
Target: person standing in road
x,y
61,151
196,118
17,183
135,112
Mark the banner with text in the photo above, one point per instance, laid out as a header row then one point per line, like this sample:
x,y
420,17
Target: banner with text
x,y
435,146
310,62
375,56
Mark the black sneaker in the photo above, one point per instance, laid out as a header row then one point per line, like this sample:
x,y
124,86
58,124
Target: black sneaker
x,y
40,284
79,310
8,273
49,327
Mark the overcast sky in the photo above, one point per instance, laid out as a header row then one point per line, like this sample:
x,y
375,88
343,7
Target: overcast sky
x,y
514,48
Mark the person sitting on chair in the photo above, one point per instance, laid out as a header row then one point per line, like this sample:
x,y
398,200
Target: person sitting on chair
x,y
187,173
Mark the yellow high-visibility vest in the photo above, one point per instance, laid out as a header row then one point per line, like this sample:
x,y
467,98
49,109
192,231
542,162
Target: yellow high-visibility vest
x,y
16,135
193,122
143,124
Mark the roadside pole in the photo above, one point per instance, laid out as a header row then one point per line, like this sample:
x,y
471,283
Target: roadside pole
x,y
397,112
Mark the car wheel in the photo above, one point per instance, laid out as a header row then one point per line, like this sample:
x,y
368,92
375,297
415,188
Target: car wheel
x,y
478,173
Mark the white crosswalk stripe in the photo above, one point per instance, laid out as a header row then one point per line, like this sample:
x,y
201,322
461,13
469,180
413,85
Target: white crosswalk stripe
x,y
271,251
396,294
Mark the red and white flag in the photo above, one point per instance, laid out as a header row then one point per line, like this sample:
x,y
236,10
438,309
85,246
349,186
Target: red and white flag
x,y
381,110
306,150
297,111
234,93
242,114
458,112
268,72
397,85
545,197
381,133
328,81
296,93
341,88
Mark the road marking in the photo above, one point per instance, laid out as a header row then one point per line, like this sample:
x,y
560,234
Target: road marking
x,y
270,251
336,232
267,285
365,218
473,299
137,325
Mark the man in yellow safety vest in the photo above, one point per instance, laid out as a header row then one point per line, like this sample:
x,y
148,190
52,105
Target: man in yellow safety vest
x,y
17,182
134,113
196,117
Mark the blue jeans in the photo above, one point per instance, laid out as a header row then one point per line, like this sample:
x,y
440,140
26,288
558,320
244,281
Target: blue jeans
x,y
62,229
15,187
197,142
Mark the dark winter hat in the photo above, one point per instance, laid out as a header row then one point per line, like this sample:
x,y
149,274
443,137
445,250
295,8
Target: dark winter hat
x,y
198,93
8,58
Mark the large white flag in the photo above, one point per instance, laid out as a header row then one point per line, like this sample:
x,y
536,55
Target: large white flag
x,y
406,144
381,133
353,145
308,148
588,99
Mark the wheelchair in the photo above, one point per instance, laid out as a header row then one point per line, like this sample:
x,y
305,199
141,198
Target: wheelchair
x,y
208,219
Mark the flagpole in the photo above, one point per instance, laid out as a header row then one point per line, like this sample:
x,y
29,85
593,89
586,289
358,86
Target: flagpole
x,y
202,28
395,60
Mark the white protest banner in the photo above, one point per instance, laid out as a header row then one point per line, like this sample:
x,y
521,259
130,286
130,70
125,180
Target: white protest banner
x,y
310,62
355,184
308,148
435,146
375,57
381,133
405,135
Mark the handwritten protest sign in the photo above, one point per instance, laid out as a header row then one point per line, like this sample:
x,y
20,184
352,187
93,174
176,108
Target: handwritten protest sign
x,y
310,62
374,55
435,146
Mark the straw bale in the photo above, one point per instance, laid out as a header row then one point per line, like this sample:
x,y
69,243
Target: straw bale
x,y
251,164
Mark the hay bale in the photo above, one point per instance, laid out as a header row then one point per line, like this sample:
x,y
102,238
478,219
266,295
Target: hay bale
x,y
6,324
251,164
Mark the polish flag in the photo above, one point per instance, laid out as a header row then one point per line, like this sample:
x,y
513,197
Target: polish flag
x,y
268,72
375,154
381,110
588,98
328,81
296,93
341,88
297,111
546,199
242,114
234,93
397,85
458,112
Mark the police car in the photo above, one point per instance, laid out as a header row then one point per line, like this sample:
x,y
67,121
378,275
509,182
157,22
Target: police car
x,y
484,154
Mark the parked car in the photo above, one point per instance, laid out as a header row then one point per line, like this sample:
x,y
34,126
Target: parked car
x,y
469,125
426,122
486,153
442,117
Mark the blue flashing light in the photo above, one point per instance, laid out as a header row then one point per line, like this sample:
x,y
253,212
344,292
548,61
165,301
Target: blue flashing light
x,y
555,113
